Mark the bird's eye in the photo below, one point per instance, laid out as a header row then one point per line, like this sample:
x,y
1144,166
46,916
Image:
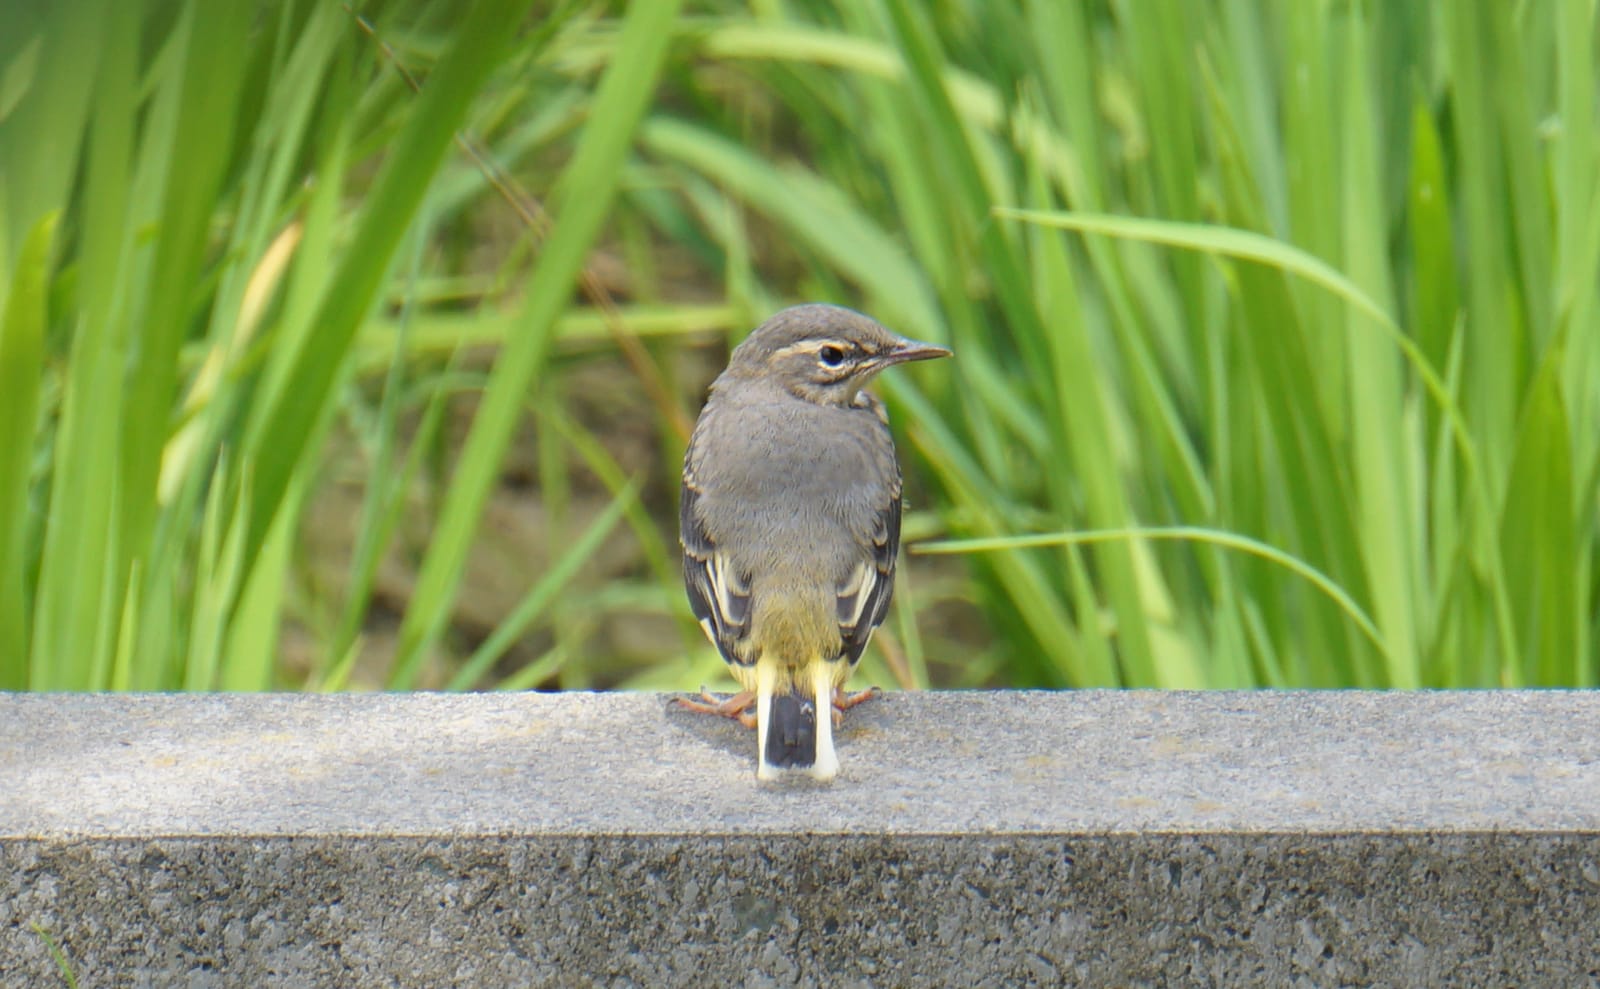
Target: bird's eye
x,y
831,356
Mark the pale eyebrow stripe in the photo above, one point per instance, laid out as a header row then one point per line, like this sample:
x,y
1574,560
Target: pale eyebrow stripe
x,y
814,347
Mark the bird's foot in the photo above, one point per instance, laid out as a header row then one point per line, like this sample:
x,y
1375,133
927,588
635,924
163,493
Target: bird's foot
x,y
843,701
735,706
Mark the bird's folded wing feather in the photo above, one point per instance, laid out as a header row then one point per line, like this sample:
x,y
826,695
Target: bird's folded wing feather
x,y
719,597
865,594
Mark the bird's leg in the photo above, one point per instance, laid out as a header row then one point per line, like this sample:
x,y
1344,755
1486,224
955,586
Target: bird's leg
x,y
843,701
735,706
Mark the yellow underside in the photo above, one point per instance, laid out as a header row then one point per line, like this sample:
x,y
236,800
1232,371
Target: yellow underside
x,y
789,678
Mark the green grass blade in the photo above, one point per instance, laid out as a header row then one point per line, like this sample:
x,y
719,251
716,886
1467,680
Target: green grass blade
x,y
1228,540
581,200
546,590
1539,538
1243,244
1389,534
22,325
1251,246
280,443
57,955
79,526
51,81
251,635
816,212
1497,353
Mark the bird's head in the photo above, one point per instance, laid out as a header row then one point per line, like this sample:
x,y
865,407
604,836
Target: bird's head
x,y
824,354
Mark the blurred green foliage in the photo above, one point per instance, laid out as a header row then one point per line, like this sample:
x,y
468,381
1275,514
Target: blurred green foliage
x,y
1278,359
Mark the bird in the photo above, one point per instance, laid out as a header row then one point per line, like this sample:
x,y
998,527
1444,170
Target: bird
x,y
790,524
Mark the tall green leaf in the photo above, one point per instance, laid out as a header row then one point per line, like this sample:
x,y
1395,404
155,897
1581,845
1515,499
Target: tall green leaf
x,y
283,432
22,323
581,200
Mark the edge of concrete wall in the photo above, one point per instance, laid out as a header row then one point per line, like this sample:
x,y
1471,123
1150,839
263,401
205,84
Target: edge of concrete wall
x,y
1004,838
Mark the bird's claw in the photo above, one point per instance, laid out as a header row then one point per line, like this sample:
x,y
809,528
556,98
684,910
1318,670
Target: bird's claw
x,y
843,701
735,706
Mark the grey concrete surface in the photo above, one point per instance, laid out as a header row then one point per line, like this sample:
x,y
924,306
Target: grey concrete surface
x,y
983,839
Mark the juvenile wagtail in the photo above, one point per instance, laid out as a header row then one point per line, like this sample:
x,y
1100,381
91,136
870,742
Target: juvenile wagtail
x,y
790,523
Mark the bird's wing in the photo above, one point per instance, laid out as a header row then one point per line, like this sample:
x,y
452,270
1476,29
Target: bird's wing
x,y
864,595
718,596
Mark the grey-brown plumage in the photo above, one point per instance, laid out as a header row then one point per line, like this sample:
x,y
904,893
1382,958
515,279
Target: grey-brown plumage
x,y
790,519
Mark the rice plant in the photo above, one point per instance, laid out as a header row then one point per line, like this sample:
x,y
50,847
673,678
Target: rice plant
x,y
1318,276
1277,356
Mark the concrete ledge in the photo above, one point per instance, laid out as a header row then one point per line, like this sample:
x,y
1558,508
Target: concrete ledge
x,y
974,839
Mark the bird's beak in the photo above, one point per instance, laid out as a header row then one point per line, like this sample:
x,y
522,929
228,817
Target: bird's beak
x,y
912,350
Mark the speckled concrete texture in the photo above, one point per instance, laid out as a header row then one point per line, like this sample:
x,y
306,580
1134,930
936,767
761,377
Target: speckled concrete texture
x,y
994,839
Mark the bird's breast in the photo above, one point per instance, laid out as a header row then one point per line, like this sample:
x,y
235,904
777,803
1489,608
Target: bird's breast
x,y
792,485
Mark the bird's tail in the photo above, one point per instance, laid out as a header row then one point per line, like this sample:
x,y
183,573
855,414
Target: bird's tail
x,y
791,733
796,730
